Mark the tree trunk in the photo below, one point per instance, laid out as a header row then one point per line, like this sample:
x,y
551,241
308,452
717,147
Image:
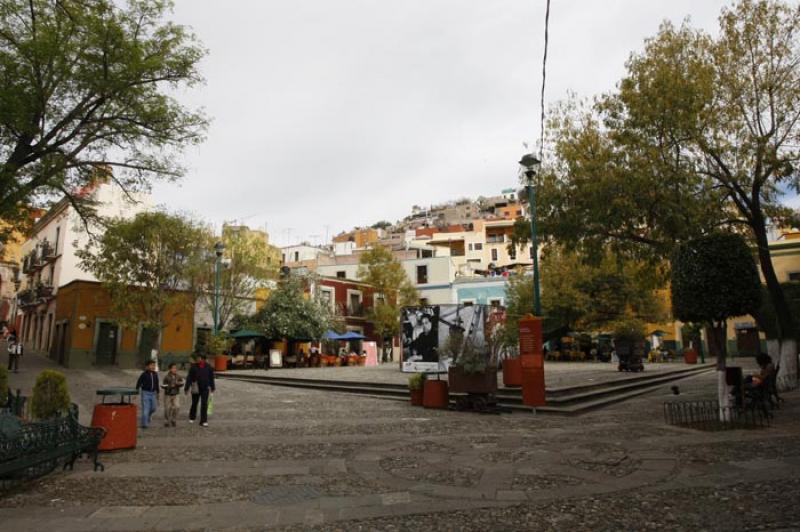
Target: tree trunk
x,y
785,320
717,344
787,377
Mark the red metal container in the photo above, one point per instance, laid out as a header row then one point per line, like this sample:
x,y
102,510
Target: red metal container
x,y
120,422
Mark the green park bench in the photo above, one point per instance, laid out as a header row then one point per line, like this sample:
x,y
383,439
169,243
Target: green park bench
x,y
32,449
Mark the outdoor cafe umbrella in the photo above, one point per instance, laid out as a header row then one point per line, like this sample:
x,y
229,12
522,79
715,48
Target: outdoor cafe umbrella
x,y
352,335
331,335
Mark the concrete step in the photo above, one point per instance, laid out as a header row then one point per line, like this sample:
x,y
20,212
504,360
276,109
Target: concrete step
x,y
569,400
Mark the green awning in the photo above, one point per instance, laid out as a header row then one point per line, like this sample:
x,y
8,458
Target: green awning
x,y
247,334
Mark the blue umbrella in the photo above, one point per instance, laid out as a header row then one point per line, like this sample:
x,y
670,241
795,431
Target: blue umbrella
x,y
331,335
352,335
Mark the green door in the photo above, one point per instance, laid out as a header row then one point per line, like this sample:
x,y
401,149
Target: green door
x,y
148,340
107,344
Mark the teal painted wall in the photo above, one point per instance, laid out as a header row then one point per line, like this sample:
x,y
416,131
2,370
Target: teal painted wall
x,y
482,294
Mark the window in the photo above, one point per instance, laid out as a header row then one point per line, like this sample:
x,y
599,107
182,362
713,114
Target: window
x,y
326,296
423,302
297,256
512,253
496,302
468,302
422,275
470,247
55,244
478,247
794,276
519,212
283,257
341,275
354,306
427,253
494,254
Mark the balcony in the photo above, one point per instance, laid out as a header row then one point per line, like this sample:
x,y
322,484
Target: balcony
x,y
495,239
26,298
44,291
355,310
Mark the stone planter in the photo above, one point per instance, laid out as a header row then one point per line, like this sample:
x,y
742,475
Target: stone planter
x,y
460,382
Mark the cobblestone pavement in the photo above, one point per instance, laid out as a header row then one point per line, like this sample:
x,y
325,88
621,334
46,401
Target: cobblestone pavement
x,y
292,459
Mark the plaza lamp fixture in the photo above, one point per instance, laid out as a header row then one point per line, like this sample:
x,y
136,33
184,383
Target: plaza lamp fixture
x,y
219,249
529,166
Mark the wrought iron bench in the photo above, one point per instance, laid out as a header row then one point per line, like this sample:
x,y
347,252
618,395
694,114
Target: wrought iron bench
x,y
28,450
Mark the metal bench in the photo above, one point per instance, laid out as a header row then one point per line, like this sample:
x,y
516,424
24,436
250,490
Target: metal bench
x,y
28,450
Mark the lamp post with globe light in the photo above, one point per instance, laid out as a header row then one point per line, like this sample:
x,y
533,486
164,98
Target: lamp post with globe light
x,y
530,166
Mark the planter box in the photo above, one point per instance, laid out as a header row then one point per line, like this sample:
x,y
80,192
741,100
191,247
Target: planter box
x,y
461,382
512,372
416,397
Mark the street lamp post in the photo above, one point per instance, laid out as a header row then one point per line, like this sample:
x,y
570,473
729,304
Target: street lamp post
x,y
530,167
219,249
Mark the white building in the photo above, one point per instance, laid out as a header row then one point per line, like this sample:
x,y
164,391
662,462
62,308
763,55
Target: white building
x,y
49,257
300,253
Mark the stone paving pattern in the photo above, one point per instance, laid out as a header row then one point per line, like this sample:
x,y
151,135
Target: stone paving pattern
x,y
292,459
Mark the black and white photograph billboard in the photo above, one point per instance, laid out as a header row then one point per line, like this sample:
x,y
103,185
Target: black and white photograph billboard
x,y
427,330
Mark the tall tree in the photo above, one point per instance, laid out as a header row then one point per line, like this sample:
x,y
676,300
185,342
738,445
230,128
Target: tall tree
x,y
88,84
702,133
249,265
714,279
379,268
151,266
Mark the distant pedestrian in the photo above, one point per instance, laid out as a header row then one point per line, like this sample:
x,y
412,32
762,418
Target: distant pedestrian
x,y
148,389
15,351
201,383
172,385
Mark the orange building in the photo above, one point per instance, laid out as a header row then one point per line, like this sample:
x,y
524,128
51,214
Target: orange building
x,y
86,334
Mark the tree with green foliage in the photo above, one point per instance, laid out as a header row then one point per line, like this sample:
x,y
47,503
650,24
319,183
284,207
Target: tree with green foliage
x,y
88,84
702,133
291,314
586,295
50,395
152,266
714,279
381,269
247,266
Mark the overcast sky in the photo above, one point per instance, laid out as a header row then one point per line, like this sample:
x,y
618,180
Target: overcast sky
x,y
328,114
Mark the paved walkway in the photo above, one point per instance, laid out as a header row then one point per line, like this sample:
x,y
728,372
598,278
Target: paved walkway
x,y
294,459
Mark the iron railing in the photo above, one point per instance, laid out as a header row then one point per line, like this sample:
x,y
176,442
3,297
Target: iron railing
x,y
708,415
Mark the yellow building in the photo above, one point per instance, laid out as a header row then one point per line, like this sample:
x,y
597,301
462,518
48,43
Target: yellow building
x,y
86,334
361,237
10,258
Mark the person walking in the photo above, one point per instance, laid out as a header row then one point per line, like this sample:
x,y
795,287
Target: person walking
x,y
172,385
148,390
201,382
15,350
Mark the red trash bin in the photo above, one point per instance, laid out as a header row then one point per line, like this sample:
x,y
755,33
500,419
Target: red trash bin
x,y
119,419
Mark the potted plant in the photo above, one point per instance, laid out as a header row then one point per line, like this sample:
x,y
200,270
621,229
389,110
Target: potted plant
x,y
629,344
416,384
218,346
473,370
50,395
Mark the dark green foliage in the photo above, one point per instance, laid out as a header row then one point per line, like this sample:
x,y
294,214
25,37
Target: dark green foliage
x,y
289,314
416,381
50,395
714,278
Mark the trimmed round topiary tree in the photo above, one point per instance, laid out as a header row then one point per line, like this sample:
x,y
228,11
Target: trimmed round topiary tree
x,y
50,395
714,278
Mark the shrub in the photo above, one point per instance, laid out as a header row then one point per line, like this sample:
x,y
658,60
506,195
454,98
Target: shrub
x,y
3,385
416,381
50,395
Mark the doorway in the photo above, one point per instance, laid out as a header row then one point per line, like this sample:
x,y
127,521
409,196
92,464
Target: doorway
x,y
106,351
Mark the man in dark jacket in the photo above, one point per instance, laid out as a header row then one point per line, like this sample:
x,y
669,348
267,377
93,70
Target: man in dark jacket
x,y
201,382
